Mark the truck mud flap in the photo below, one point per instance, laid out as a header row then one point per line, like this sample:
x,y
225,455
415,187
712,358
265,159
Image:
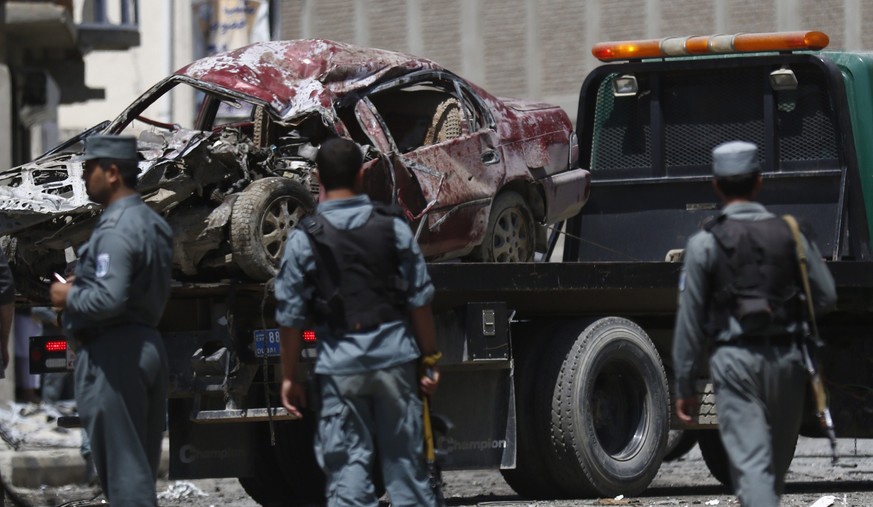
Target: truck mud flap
x,y
480,404
199,451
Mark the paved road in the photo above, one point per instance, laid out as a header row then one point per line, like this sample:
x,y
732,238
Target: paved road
x,y
685,482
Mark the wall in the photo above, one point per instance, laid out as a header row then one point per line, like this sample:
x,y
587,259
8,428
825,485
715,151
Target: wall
x,y
165,30
540,49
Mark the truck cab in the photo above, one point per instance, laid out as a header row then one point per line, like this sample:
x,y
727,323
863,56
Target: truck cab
x,y
647,127
647,122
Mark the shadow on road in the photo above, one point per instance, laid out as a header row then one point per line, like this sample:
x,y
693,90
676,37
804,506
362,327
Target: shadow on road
x,y
814,487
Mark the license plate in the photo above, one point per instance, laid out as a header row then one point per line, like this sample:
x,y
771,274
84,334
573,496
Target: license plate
x,y
267,342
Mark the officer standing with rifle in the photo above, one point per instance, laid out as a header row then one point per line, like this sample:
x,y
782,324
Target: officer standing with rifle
x,y
741,297
355,271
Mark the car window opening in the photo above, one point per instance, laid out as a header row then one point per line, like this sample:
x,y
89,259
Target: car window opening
x,y
419,115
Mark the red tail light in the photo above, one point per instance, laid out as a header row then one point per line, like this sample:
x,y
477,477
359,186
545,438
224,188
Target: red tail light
x,y
56,346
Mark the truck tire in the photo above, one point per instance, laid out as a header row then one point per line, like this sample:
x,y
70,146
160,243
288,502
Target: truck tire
x,y
715,457
262,217
268,487
266,492
530,477
510,235
679,442
295,453
609,412
272,486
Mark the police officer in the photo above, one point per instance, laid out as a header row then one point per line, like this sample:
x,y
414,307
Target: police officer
x,y
7,310
112,306
357,273
740,293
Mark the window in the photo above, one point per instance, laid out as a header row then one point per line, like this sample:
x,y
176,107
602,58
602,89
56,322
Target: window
x,y
622,129
420,114
704,109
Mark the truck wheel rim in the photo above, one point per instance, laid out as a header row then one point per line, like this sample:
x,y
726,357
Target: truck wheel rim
x,y
618,408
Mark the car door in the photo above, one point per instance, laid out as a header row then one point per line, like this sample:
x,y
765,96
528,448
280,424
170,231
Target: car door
x,y
446,158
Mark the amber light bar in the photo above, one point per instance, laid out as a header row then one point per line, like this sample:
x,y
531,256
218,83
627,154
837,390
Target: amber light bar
x,y
710,44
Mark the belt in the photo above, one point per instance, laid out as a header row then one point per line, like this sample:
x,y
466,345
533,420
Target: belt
x,y
777,340
89,334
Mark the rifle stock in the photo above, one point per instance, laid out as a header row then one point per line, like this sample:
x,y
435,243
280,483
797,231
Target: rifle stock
x,y
822,411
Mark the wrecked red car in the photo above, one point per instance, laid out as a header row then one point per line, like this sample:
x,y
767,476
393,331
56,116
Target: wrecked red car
x,y
477,176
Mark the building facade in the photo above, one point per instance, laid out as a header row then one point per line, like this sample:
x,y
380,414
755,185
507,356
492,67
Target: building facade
x,y
541,49
535,49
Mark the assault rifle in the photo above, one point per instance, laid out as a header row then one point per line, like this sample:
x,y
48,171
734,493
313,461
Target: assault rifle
x,y
811,336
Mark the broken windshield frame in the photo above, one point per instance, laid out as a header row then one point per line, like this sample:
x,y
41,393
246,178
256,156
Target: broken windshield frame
x,y
160,90
75,139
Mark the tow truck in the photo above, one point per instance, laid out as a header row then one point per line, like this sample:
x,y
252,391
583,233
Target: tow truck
x,y
558,372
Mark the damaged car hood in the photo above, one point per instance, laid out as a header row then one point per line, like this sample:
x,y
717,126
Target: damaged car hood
x,y
53,186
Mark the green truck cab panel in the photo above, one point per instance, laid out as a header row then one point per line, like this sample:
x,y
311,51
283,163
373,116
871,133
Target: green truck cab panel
x,y
857,73
649,153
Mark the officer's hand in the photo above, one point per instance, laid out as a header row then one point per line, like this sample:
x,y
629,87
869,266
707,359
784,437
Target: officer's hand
x,y
429,381
58,293
686,409
293,397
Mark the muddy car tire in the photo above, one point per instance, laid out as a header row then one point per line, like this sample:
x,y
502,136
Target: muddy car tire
x,y
715,456
609,409
262,217
511,232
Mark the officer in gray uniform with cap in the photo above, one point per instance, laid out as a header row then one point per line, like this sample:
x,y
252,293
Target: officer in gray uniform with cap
x,y
112,306
740,298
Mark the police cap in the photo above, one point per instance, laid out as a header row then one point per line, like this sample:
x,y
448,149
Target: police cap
x,y
735,158
111,147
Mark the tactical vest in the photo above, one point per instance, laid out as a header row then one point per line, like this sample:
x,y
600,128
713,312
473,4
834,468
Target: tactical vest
x,y
357,279
756,277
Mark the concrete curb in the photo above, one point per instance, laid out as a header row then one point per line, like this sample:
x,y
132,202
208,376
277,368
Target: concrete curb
x,y
54,467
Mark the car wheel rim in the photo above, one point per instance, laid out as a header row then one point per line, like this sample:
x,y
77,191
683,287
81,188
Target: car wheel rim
x,y
511,241
281,216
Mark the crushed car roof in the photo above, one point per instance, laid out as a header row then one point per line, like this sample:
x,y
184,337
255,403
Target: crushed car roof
x,y
294,76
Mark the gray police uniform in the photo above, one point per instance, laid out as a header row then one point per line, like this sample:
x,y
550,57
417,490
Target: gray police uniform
x,y
7,292
121,288
7,285
368,381
759,387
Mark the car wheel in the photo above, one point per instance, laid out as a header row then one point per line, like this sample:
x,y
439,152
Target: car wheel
x,y
609,416
679,442
715,456
262,217
510,234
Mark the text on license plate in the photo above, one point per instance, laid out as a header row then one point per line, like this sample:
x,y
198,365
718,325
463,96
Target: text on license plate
x,y
267,342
